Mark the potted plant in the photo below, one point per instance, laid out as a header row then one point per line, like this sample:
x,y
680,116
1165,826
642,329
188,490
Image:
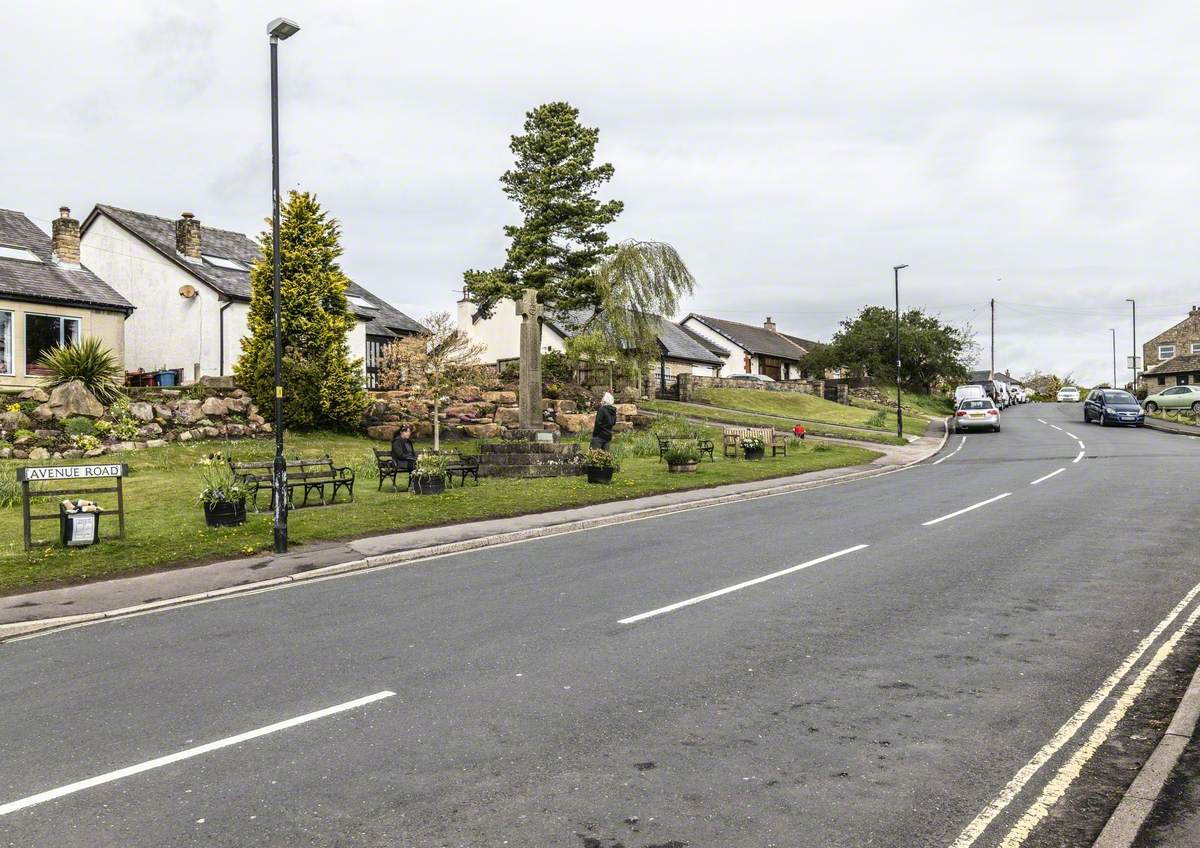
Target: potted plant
x,y
429,475
223,497
599,465
753,447
682,458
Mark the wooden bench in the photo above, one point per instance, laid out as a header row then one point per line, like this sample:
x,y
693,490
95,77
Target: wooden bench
x,y
704,446
777,442
460,466
311,475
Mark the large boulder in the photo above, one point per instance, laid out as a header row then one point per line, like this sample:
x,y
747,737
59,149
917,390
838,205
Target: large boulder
x,y
15,421
626,410
39,453
500,397
188,411
163,411
483,431
43,413
214,407
34,394
149,430
240,405
73,398
142,411
508,415
575,422
565,406
382,431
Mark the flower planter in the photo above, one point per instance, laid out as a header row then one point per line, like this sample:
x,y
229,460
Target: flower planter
x,y
682,468
596,474
428,485
225,514
754,453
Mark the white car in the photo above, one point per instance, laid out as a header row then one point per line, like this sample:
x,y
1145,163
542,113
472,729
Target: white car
x,y
973,390
751,378
1005,397
1068,394
976,414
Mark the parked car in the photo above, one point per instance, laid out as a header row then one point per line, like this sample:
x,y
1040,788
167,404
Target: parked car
x,y
1018,393
1176,397
989,389
1004,400
972,390
1113,406
751,378
976,414
1068,394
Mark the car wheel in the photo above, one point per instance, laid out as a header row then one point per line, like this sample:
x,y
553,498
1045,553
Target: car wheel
x,y
996,429
1196,407
1152,407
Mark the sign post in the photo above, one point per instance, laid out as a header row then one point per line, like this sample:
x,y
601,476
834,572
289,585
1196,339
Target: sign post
x,y
67,473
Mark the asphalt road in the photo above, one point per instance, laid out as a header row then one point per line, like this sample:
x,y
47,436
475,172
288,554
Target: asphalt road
x,y
883,697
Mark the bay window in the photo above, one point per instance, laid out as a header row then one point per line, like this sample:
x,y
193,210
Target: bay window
x,y
44,332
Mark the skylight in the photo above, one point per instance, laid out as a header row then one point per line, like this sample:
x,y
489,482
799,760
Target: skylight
x,y
21,253
222,262
361,302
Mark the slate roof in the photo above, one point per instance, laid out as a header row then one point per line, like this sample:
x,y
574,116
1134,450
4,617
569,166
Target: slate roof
x,y
1184,363
808,344
678,343
159,233
46,281
754,339
707,343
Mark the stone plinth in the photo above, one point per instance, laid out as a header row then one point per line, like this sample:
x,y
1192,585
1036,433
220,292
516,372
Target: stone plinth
x,y
521,458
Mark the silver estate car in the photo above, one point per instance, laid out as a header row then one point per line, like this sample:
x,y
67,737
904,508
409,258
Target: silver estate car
x,y
976,414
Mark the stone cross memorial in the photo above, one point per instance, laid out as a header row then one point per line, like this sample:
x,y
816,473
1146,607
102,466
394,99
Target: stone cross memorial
x,y
530,392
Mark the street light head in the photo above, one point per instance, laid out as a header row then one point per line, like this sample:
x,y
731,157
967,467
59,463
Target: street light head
x,y
898,267
282,28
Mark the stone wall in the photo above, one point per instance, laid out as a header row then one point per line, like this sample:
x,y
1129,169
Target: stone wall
x,y
688,383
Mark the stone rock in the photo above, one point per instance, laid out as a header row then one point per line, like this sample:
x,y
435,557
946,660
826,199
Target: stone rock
x,y
150,429
240,405
73,398
622,426
483,431
23,441
417,409
508,415
164,412
423,429
214,407
43,413
568,406
265,427
142,411
463,410
575,422
185,436
188,411
469,394
6,453
14,421
39,453
240,393
72,454
642,421
204,422
216,382
56,455
45,434
34,394
156,443
20,454
500,397
235,430
257,419
211,432
121,447
169,392
382,431
100,451
626,410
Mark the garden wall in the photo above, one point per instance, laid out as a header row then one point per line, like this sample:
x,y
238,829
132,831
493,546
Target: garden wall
x,y
688,383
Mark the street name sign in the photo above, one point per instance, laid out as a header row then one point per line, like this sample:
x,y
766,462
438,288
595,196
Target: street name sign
x,y
70,472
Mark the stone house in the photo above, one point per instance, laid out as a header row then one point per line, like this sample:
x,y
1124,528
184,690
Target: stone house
x,y
1172,358
751,349
191,286
48,297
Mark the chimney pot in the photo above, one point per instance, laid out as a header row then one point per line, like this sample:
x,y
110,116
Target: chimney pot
x,y
187,237
769,324
64,238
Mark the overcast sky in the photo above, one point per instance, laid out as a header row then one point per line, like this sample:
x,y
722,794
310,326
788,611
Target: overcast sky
x,y
1044,154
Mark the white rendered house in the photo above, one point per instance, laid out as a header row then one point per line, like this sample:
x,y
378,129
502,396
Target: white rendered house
x,y
190,285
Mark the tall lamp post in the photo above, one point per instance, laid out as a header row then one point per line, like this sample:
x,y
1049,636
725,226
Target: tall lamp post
x,y
899,408
1134,363
279,29
1114,341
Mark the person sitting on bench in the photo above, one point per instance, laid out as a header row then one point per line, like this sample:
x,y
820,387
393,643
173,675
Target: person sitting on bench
x,y
403,452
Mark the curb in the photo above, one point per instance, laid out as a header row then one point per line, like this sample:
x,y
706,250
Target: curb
x,y
1164,427
1127,819
26,629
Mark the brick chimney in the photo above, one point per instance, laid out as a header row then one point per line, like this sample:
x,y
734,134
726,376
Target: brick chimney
x,y
187,237
1195,311
769,325
65,238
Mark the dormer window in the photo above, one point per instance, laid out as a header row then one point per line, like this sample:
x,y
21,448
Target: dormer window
x,y
1166,351
7,252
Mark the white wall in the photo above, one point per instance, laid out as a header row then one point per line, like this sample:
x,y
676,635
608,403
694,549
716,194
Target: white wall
x,y
734,363
357,339
237,317
501,334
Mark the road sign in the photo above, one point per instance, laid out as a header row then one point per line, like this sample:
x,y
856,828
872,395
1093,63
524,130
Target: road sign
x,y
68,473
1133,362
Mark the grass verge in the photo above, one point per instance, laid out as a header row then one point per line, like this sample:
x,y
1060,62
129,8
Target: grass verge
x,y
753,419
805,408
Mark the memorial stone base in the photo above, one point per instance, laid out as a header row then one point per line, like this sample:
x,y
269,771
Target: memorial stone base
x,y
523,458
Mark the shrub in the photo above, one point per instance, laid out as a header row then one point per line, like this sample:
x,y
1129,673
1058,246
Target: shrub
x,y
879,419
90,363
79,425
85,442
681,453
432,465
21,434
220,486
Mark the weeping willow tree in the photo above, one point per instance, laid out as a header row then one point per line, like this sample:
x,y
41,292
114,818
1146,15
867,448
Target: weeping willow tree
x,y
635,287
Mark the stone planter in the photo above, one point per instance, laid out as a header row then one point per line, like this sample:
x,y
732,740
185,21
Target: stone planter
x,y
683,468
754,453
596,474
426,485
225,514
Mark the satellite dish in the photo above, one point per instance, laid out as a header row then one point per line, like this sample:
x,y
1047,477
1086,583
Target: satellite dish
x,y
187,291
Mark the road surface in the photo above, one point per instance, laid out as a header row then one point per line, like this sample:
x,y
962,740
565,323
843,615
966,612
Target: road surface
x,y
903,661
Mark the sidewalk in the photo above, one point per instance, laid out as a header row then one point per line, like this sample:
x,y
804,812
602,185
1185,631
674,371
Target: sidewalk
x,y
1174,821
25,613
1171,427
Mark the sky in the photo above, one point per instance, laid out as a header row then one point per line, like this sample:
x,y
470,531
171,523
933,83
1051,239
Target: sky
x,y
1041,154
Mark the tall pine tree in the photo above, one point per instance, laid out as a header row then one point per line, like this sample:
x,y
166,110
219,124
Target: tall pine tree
x,y
562,240
322,384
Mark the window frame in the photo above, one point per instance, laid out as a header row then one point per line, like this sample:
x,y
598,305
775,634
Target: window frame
x,y
1163,357
61,332
9,369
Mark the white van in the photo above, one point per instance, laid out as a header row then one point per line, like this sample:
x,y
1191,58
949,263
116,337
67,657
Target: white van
x,y
971,392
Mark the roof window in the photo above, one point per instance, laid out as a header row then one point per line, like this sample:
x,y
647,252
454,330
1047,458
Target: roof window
x,y
222,262
7,252
361,302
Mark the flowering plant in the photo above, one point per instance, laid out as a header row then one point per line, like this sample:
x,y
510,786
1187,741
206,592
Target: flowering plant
x,y
220,486
597,458
753,443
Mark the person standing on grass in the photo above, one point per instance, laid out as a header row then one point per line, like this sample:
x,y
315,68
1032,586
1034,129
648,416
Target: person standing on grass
x,y
403,452
606,417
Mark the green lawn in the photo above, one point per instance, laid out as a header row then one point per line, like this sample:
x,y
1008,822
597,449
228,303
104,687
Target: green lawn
x,y
165,524
753,419
930,406
806,408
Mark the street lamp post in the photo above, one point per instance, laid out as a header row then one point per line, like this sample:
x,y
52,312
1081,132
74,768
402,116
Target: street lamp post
x,y
899,408
1114,341
278,30
1133,304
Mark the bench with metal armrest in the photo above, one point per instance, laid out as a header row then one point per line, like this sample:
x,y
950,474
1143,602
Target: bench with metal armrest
x,y
310,475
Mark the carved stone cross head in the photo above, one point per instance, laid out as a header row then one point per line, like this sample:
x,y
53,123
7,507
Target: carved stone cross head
x,y
528,305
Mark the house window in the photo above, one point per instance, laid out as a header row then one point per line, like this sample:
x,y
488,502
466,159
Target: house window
x,y
1166,351
1162,381
6,357
1195,347
44,332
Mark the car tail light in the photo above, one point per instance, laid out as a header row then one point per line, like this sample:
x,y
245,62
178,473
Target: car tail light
x,y
993,412
960,414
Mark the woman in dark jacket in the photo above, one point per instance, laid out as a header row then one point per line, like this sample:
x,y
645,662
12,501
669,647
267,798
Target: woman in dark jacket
x,y
403,452
606,417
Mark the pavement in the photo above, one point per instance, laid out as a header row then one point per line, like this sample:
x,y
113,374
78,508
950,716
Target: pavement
x,y
980,650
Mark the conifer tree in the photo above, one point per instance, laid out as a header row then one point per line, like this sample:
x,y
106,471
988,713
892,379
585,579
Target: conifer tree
x,y
322,384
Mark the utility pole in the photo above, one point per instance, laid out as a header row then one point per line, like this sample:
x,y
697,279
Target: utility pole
x,y
1114,340
993,374
899,408
1134,362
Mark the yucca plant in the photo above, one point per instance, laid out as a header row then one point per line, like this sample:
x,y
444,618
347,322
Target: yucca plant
x,y
89,362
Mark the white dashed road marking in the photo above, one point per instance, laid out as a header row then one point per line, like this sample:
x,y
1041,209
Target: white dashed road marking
x,y
1047,477
1078,457
961,442
966,509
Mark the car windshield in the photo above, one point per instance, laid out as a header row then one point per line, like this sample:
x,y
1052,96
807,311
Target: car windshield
x,y
976,404
1119,397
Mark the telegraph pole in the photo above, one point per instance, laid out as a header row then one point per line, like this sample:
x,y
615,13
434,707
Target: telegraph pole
x,y
993,374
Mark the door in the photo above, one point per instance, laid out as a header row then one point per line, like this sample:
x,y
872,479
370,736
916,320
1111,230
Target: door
x,y
772,368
